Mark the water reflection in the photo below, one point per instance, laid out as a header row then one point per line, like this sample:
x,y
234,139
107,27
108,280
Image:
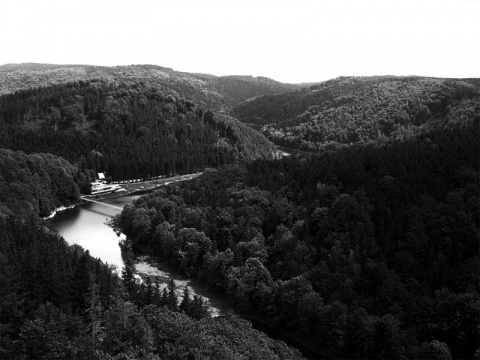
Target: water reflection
x,y
86,226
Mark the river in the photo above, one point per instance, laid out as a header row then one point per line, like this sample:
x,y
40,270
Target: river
x,y
87,226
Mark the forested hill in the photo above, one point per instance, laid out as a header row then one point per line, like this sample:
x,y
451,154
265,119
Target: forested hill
x,y
37,183
358,110
370,251
218,93
57,301
126,130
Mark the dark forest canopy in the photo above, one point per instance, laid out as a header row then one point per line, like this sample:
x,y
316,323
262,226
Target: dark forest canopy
x,y
215,92
353,110
37,183
57,302
126,130
370,251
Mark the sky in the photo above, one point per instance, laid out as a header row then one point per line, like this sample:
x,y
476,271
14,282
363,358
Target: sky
x,y
290,41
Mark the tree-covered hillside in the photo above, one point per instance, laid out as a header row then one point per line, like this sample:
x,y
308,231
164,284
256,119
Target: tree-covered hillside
x,y
215,92
352,110
366,250
370,251
37,183
127,130
57,302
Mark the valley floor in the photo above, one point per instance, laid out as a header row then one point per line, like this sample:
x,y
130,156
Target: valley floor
x,y
134,186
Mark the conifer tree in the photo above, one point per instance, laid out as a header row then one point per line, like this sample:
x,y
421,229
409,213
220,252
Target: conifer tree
x,y
199,308
156,299
129,279
149,290
164,299
185,305
94,314
172,300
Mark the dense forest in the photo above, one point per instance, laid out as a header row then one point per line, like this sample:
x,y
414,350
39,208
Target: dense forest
x,y
38,183
366,248
57,302
218,93
128,131
359,110
370,251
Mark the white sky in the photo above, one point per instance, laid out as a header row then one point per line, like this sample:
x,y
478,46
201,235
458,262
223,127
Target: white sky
x,y
289,41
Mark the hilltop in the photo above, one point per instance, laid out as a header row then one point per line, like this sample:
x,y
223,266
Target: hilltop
x,y
359,110
215,92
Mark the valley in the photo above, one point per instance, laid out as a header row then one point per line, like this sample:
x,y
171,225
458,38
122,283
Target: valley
x,y
361,239
89,225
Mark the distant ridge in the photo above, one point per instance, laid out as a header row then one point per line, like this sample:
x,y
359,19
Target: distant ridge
x,y
216,92
361,109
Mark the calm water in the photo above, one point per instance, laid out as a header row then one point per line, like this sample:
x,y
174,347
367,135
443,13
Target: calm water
x,y
86,225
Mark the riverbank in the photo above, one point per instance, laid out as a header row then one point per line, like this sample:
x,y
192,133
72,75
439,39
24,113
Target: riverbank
x,y
294,152
134,188
147,266
57,210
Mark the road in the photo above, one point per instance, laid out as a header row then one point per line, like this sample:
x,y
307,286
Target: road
x,y
129,188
